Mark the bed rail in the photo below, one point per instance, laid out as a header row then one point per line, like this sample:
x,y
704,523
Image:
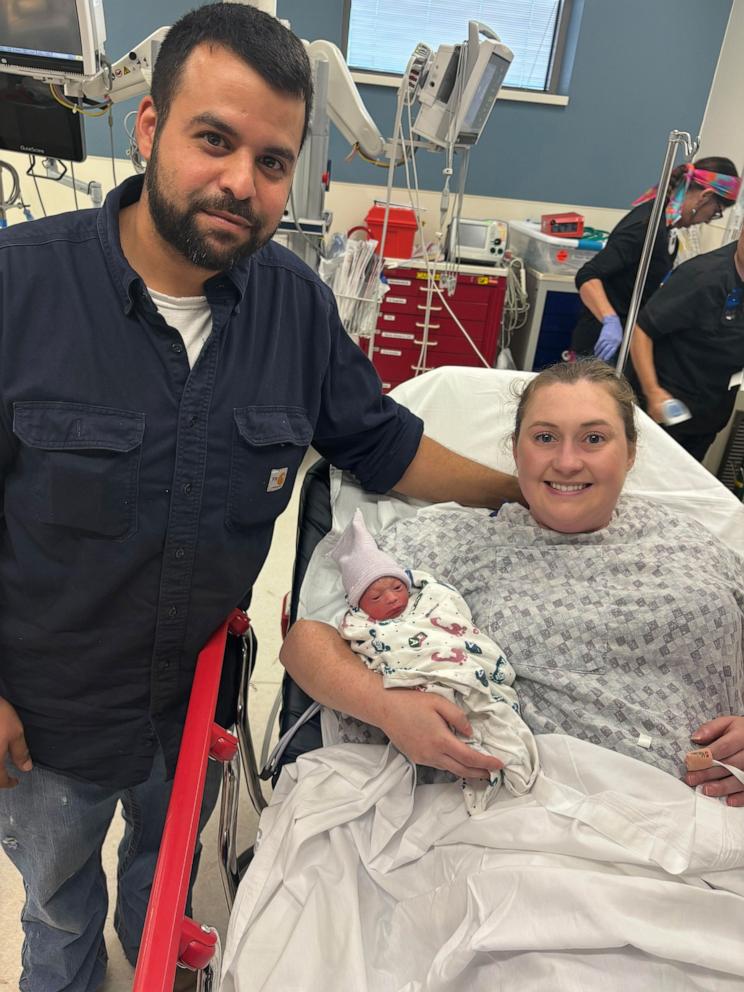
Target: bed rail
x,y
169,937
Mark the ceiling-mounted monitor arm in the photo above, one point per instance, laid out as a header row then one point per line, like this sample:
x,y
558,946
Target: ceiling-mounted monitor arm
x,y
345,106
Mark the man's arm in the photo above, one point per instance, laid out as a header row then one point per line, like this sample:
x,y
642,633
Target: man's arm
x,y
642,353
439,475
418,723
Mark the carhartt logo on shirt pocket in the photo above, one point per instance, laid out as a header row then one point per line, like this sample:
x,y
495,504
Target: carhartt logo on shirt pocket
x,y
263,436
277,479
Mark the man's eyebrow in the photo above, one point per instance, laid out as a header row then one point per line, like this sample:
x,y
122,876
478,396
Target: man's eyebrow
x,y
211,120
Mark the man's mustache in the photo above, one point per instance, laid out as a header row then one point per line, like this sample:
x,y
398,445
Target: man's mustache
x,y
230,205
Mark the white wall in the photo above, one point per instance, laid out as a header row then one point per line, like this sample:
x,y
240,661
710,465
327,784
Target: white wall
x,y
346,201
722,132
349,203
57,198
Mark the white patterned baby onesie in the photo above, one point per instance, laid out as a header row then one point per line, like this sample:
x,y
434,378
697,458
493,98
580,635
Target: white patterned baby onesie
x,y
434,646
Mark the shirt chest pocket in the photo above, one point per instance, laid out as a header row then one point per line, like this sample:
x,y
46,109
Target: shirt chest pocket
x,y
267,447
79,465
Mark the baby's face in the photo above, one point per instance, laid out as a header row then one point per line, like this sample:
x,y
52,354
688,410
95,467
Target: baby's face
x,y
385,599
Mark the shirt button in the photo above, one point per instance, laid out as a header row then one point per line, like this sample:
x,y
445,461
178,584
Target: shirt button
x,y
186,488
192,421
172,611
165,664
179,552
176,347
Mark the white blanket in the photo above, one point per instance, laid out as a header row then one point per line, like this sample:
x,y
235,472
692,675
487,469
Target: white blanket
x,y
434,646
610,875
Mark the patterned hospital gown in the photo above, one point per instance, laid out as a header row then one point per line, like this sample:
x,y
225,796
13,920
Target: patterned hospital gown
x,y
629,637
433,645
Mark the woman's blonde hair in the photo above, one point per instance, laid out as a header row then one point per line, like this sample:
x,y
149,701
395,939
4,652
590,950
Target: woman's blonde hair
x,y
584,370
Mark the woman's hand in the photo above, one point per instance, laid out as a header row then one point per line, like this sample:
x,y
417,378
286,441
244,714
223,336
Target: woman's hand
x,y
725,738
654,402
423,724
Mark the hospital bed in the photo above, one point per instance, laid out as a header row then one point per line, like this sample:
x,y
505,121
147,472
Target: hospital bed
x,y
274,941
470,411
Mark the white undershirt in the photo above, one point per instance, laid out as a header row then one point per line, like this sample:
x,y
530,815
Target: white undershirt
x,y
190,315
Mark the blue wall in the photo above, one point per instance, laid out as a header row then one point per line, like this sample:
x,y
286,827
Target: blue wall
x,y
640,69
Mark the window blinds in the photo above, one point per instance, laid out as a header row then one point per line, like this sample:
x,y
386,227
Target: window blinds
x,y
383,33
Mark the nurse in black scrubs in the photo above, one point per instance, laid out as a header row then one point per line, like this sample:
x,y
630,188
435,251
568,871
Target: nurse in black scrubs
x,y
688,343
698,193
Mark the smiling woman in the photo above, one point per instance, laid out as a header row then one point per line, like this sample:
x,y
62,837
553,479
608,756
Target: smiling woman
x,y
574,443
623,620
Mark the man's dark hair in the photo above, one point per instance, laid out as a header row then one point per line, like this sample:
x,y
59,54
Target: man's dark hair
x,y
259,39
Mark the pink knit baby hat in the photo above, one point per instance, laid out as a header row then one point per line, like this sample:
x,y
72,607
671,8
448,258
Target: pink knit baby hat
x,y
361,562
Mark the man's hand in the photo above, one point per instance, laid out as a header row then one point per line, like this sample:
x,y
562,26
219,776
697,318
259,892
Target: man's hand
x,y
12,745
725,738
422,725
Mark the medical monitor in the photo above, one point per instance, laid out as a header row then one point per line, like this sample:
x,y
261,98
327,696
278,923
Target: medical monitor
x,y
32,121
460,87
58,40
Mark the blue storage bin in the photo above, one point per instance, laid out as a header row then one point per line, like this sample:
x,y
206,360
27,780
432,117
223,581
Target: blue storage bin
x,y
559,319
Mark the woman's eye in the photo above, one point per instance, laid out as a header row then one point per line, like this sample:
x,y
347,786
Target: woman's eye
x,y
544,437
595,438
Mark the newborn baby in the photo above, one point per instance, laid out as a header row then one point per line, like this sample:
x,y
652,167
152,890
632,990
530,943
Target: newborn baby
x,y
418,633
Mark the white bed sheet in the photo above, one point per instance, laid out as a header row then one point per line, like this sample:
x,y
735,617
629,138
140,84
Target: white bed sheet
x,y
610,875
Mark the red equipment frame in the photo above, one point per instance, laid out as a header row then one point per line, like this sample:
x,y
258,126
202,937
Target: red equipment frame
x,y
169,937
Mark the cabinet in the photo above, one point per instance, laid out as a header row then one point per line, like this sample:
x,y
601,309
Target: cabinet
x,y
554,309
399,352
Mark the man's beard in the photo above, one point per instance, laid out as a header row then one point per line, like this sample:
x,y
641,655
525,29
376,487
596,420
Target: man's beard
x,y
179,228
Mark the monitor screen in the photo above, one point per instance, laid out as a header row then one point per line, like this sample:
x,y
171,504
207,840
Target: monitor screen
x,y
32,121
41,33
471,235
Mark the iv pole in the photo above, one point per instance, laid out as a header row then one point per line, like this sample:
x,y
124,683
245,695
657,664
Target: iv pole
x,y
690,147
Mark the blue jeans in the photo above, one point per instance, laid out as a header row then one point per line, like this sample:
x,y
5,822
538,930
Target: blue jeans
x,y
52,828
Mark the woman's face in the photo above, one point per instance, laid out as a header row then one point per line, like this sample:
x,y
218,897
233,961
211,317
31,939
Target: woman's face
x,y
700,206
572,456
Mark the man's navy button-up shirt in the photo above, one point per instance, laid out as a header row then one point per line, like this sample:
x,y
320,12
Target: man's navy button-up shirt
x,y
139,495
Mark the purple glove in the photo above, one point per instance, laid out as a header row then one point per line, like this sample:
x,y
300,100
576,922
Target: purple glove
x,y
609,337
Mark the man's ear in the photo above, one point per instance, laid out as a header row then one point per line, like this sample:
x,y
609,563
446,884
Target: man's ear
x,y
145,127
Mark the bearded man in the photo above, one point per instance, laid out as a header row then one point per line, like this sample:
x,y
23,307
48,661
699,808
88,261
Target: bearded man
x,y
164,368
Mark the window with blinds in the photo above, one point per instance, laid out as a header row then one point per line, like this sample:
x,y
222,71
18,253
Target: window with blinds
x,y
381,34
